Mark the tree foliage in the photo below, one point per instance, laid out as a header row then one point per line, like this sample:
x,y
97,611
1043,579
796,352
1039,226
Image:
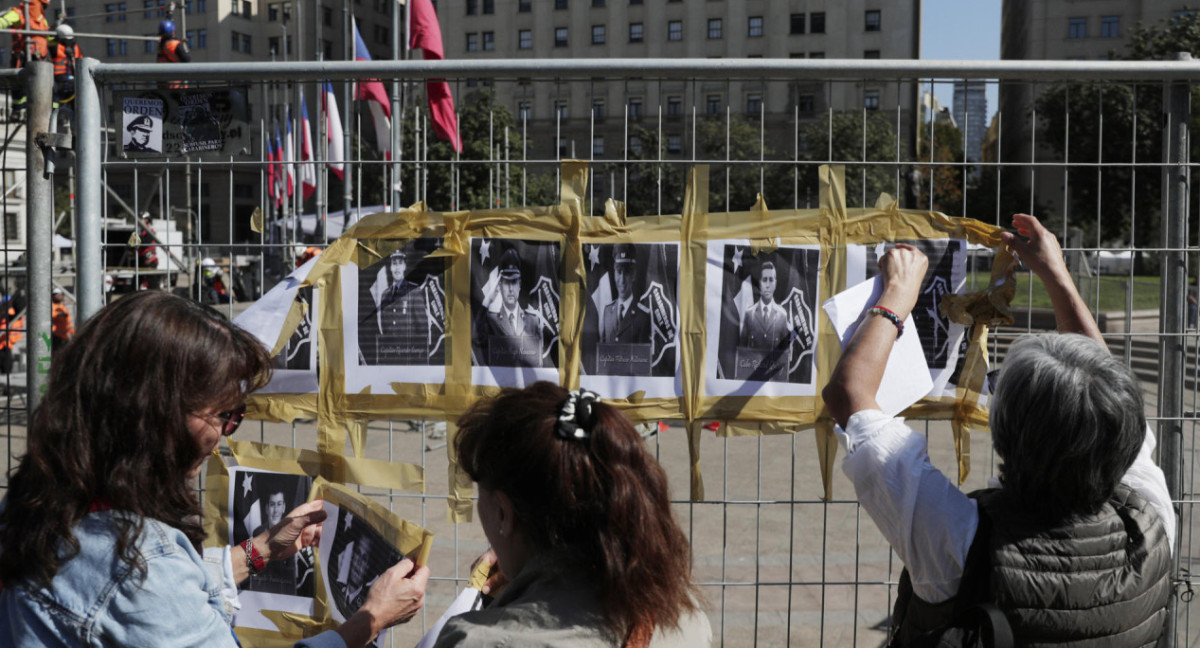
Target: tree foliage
x,y
947,179
866,142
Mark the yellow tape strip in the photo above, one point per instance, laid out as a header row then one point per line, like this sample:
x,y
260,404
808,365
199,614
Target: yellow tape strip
x,y
461,488
216,503
833,281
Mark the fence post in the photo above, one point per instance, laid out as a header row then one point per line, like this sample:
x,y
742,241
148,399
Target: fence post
x,y
39,224
89,253
1177,101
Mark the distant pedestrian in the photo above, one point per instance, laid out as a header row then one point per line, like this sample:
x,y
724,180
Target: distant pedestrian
x,y
61,326
12,330
171,50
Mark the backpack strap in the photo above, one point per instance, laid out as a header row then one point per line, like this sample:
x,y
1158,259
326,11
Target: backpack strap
x,y
973,607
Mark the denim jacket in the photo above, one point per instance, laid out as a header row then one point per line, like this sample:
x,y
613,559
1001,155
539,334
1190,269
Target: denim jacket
x,y
97,600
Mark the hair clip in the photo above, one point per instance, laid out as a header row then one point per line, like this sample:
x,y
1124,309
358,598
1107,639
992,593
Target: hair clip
x,y
576,415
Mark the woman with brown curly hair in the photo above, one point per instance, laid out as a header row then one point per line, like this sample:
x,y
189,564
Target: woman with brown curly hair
x,y
100,532
577,512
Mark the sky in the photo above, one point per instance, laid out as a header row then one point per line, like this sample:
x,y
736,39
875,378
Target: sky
x,y
961,30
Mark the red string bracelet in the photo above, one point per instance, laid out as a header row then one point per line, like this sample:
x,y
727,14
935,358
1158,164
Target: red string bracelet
x,y
890,316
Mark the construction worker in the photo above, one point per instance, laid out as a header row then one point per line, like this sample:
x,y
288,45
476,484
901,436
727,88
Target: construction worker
x,y
171,49
36,48
303,254
147,250
63,53
12,330
61,326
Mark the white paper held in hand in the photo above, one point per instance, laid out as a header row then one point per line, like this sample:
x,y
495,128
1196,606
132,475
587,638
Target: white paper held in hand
x,y
906,377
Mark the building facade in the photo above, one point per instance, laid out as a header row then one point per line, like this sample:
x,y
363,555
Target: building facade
x,y
970,115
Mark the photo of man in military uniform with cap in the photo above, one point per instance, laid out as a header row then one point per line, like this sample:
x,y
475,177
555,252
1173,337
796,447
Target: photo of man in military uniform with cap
x,y
509,336
624,320
138,134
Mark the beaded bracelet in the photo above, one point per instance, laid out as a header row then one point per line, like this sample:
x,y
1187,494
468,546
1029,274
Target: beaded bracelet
x,y
890,316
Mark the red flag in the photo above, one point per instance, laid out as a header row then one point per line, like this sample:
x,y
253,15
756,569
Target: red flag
x,y
270,170
427,35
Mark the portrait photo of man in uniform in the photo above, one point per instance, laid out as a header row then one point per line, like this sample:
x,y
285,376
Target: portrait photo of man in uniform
x,y
358,556
509,336
767,329
260,499
624,320
138,135
401,317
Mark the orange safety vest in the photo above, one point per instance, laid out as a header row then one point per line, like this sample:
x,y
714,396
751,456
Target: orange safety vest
x,y
15,19
61,325
168,51
13,330
64,59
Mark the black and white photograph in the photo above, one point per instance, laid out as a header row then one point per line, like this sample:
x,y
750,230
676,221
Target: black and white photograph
x,y
142,123
394,318
258,501
296,364
353,555
515,310
402,308
762,330
941,339
630,336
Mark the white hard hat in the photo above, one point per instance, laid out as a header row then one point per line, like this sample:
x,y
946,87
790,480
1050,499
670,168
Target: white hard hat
x,y
64,32
207,263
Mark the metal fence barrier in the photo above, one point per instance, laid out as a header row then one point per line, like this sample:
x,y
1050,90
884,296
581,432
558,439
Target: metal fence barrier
x,y
1099,149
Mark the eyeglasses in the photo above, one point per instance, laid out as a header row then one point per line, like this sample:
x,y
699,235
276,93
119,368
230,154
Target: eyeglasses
x,y
232,419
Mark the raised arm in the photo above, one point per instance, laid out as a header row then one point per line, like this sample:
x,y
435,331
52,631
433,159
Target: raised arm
x,y
1039,250
855,380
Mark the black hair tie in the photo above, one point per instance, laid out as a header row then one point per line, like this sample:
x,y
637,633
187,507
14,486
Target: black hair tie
x,y
577,415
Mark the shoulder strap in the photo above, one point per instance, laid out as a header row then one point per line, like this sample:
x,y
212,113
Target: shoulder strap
x,y
974,608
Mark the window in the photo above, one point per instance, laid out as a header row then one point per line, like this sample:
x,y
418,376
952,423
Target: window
x,y
272,44
489,41
674,144
1110,26
201,38
247,8
151,9
273,12
798,23
560,4
635,145
870,54
111,46
472,7
633,2
246,48
235,41
675,30
525,6
873,20
525,39
817,22
563,148
755,27
560,109
714,28
796,55
489,6
597,3
243,191
753,104
871,100
12,226
806,103
674,106
598,110
1077,28
151,46
816,55
327,16
597,146
194,6
383,36
524,111
560,36
712,105
384,6
635,108
110,13
635,32
472,42
327,49
597,34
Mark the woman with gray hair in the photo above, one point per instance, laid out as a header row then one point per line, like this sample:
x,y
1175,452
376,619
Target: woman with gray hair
x,y
1075,544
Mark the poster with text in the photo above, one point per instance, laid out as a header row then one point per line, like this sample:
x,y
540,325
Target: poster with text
x,y
197,122
515,311
630,336
760,312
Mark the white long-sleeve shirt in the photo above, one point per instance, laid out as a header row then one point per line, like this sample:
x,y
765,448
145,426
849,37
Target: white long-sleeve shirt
x,y
928,521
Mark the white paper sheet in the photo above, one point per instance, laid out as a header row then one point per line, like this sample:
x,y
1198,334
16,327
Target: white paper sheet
x,y
906,377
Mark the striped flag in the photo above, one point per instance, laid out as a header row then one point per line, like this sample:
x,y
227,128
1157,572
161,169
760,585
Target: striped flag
x,y
289,156
333,130
371,91
279,174
270,170
308,171
427,35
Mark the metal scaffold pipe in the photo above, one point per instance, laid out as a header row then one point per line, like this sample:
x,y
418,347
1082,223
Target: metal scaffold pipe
x,y
39,219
